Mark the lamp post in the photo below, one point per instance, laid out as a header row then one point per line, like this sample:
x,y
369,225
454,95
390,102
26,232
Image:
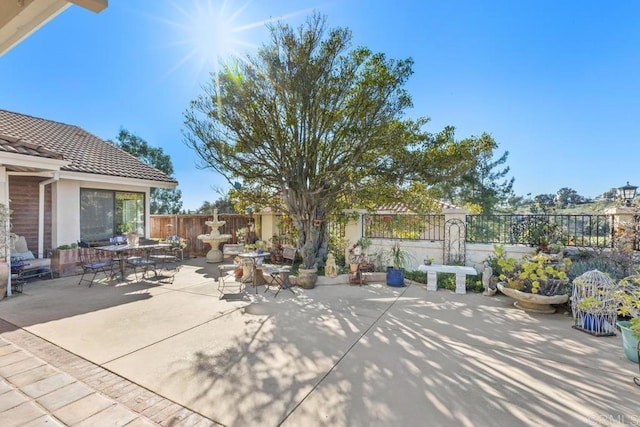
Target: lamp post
x,y
628,193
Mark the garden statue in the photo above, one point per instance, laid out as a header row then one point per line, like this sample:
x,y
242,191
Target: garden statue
x,y
331,269
489,288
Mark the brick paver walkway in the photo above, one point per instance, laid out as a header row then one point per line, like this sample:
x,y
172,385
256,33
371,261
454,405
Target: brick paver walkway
x,y
43,384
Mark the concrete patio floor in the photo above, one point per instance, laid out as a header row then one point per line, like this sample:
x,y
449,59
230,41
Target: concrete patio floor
x,y
336,355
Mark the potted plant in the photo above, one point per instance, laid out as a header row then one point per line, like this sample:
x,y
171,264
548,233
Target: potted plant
x,y
428,260
307,273
276,249
590,307
5,268
65,260
627,296
535,282
399,259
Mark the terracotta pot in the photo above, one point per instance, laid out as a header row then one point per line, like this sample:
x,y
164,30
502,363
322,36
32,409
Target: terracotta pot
x,y
5,270
307,278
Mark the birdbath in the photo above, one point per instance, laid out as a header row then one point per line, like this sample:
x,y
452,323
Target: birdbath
x,y
214,238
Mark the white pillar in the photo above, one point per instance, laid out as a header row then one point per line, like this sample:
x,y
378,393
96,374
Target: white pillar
x,y
353,229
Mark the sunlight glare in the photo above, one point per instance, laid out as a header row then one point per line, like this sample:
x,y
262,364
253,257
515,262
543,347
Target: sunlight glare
x,y
211,32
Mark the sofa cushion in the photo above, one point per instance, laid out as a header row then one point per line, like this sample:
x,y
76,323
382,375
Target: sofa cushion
x,y
37,264
22,256
19,245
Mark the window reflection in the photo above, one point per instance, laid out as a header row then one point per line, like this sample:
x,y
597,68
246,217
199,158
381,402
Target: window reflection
x,y
106,213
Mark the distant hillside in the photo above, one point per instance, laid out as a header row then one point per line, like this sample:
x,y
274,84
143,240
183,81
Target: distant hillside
x,y
584,208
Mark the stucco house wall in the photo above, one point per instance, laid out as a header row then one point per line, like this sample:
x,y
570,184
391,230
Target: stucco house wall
x,y
43,167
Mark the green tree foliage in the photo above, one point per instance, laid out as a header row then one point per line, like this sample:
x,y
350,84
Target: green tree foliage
x,y
222,204
610,195
567,196
162,200
543,203
310,125
474,181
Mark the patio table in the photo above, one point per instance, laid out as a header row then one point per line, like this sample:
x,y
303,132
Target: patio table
x,y
254,257
124,249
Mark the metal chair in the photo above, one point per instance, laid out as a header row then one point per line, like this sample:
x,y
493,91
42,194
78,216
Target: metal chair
x,y
142,261
166,265
223,270
280,274
176,246
118,258
93,264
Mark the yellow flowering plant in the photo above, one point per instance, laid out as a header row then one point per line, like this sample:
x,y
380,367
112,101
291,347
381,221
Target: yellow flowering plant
x,y
538,274
627,297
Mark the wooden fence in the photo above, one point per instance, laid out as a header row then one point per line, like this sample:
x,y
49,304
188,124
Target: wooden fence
x,y
189,227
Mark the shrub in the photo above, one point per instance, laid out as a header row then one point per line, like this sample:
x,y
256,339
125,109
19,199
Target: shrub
x,y
604,264
69,246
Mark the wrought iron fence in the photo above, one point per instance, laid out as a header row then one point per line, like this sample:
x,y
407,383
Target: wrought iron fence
x,y
570,230
404,226
336,226
636,232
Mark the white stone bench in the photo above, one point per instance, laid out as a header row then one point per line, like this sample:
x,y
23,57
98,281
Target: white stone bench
x,y
459,270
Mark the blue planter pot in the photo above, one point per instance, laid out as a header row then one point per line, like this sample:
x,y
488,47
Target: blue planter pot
x,y
592,323
629,341
395,277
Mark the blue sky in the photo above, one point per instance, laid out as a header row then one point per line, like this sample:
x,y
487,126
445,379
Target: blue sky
x,y
556,83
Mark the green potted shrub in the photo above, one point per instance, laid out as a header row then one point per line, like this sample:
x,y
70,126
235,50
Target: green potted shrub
x,y
5,267
627,296
537,283
590,307
65,260
398,258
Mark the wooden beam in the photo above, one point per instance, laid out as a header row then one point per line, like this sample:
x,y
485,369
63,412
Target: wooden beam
x,y
92,5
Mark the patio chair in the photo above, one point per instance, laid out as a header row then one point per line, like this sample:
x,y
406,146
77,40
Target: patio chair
x,y
223,271
279,275
141,261
166,264
176,246
92,263
118,240
118,258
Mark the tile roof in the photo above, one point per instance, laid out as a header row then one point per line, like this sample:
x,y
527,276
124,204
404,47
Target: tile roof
x,y
402,208
9,144
85,152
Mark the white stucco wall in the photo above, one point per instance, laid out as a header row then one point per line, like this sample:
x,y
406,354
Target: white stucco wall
x,y
65,213
66,207
419,250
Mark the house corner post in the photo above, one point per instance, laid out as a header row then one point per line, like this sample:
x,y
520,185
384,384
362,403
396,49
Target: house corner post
x,y
268,225
354,228
623,227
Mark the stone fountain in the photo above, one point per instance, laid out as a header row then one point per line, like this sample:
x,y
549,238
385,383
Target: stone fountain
x,y
214,238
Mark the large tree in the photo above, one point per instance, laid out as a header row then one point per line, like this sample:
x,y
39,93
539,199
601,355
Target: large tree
x,y
162,200
222,204
568,196
473,177
310,125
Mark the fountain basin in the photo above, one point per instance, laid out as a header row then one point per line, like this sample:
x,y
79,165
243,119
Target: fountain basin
x,y
215,254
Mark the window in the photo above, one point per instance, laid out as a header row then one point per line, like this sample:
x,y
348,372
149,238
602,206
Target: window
x,y
105,213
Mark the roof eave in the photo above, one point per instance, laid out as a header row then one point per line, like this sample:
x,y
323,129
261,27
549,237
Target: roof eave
x,y
24,19
118,180
32,162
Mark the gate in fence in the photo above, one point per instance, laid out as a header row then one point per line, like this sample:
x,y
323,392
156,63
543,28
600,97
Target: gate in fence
x,y
455,250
